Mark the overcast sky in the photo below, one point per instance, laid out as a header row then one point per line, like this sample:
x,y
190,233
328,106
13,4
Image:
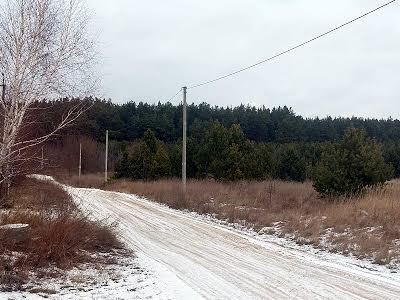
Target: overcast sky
x,y
152,48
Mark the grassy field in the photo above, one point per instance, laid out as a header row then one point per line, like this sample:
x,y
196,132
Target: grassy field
x,y
367,226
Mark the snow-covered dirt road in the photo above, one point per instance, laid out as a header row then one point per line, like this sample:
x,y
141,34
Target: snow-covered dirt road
x,y
205,261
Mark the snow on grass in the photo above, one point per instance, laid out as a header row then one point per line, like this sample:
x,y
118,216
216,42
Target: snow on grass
x,y
14,226
128,278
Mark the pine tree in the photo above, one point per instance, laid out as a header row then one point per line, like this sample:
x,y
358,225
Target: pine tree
x,y
291,165
122,168
351,166
161,164
150,140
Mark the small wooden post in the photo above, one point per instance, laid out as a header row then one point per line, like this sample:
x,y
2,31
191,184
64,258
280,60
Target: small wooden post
x,y
106,160
80,161
42,161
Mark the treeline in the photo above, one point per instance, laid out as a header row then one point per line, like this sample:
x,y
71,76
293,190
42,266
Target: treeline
x,y
225,154
129,121
225,143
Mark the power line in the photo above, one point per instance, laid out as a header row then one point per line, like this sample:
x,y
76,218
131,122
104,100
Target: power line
x,y
291,49
173,97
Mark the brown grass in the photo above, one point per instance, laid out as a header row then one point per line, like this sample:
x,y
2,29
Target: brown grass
x,y
60,236
251,200
367,226
31,194
88,180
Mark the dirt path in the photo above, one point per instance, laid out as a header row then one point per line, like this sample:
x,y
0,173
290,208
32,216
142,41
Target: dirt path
x,y
216,263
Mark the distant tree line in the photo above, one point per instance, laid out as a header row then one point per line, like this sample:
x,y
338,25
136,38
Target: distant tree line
x,y
129,121
224,143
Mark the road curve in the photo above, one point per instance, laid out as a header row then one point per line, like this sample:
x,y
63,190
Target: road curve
x,y
218,263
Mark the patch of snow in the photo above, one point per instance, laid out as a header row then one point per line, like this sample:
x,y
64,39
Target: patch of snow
x,y
127,279
41,177
14,226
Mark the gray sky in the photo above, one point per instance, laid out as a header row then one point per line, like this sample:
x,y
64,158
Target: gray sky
x,y
152,48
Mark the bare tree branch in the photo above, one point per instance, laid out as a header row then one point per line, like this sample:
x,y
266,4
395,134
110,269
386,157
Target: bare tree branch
x,y
46,52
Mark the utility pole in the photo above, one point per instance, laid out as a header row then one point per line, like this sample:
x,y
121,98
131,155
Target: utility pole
x,y
106,160
184,107
42,162
4,185
3,85
80,162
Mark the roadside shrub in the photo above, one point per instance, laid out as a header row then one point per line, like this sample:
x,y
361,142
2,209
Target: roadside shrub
x,y
65,240
351,166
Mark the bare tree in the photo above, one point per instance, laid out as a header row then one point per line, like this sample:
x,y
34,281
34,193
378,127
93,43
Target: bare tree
x,y
46,51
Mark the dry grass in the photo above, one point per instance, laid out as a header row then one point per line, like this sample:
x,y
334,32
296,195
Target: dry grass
x,y
367,226
60,234
207,196
30,194
88,180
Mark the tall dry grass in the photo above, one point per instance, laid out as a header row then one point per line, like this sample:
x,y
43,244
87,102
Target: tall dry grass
x,y
93,180
208,195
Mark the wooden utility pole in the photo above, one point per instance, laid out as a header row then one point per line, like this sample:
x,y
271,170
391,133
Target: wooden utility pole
x,y
42,162
80,162
3,86
106,160
4,185
184,107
